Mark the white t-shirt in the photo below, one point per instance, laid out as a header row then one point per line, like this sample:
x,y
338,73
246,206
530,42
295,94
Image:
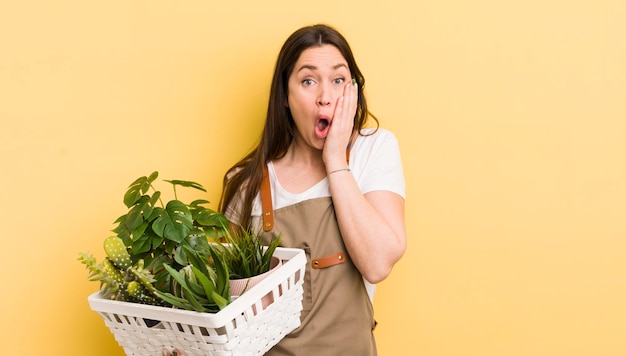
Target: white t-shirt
x,y
375,163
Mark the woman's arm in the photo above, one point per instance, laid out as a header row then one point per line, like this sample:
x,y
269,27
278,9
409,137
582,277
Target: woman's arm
x,y
372,225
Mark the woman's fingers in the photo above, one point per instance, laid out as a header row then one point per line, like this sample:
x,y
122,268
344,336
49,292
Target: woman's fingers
x,y
346,108
341,126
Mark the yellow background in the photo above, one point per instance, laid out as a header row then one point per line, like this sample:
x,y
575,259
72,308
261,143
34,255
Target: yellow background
x,y
511,118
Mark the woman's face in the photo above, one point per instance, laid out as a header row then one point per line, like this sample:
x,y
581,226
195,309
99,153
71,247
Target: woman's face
x,y
316,83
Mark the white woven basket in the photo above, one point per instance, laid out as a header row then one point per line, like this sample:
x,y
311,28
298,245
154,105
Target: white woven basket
x,y
242,328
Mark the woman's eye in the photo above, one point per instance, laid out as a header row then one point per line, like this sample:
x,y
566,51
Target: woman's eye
x,y
307,82
339,80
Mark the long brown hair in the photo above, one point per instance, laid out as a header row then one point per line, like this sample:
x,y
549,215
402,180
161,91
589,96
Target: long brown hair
x,y
243,180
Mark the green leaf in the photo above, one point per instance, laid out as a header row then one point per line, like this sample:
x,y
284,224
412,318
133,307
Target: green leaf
x,y
137,188
199,202
134,218
147,210
121,219
186,183
195,259
146,256
206,217
210,219
176,275
222,281
156,212
196,288
174,300
140,230
161,275
170,246
220,300
180,256
197,232
174,222
157,241
207,284
214,233
122,231
194,302
197,244
141,245
151,178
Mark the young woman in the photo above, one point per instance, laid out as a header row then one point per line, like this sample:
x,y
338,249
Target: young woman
x,y
327,185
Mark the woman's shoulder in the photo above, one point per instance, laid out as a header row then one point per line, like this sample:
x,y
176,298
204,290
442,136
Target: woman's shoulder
x,y
376,162
373,145
376,136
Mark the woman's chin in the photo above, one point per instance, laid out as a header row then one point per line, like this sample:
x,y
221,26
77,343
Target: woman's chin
x,y
318,143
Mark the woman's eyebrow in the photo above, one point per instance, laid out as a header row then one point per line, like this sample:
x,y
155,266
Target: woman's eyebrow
x,y
307,66
314,68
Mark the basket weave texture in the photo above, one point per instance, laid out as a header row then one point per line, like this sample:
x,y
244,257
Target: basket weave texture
x,y
241,328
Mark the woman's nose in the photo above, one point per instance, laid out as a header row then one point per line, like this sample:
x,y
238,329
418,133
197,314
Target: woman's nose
x,y
324,96
323,101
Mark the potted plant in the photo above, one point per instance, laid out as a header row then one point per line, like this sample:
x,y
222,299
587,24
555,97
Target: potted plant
x,y
247,258
155,256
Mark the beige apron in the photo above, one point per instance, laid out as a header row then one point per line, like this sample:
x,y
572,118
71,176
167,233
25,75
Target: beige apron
x,y
337,317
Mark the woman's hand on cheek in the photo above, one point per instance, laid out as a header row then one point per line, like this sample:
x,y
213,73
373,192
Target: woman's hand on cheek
x,y
340,131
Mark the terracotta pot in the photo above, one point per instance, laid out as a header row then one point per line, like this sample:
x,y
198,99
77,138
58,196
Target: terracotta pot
x,y
240,286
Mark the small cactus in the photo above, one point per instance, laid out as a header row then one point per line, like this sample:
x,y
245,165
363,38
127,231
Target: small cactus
x,y
109,282
116,251
143,276
112,271
135,289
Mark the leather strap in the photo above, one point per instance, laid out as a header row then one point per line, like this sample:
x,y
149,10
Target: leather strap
x,y
266,201
266,196
328,261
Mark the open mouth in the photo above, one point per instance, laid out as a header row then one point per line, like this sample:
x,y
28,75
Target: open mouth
x,y
321,128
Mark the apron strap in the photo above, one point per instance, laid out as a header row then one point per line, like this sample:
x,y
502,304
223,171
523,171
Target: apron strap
x,y
266,196
328,261
266,201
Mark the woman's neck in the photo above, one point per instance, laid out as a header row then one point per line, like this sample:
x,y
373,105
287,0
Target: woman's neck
x,y
300,168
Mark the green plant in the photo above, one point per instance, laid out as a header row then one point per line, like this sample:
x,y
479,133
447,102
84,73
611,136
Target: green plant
x,y
153,242
157,232
245,253
118,277
198,286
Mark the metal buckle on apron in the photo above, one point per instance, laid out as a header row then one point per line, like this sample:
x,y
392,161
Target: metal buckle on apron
x,y
328,261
